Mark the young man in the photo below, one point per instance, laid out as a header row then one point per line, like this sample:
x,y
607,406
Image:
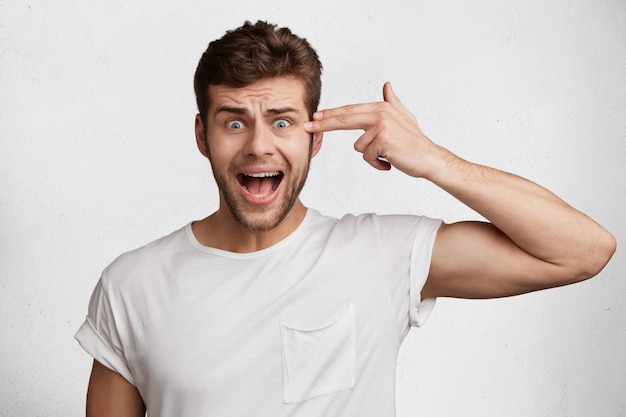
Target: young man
x,y
268,308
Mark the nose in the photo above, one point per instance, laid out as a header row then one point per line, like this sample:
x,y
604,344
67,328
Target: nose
x,y
260,142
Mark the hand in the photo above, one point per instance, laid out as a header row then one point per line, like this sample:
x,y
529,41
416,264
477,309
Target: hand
x,y
391,132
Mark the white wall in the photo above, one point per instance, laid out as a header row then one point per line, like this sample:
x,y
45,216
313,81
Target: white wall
x,y
98,156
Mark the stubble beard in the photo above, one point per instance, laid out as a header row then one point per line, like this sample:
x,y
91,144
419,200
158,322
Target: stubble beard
x,y
260,219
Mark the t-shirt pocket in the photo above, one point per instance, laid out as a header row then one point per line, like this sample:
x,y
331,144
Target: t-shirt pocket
x,y
321,360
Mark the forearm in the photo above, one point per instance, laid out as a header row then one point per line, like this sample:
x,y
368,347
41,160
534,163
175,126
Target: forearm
x,y
532,217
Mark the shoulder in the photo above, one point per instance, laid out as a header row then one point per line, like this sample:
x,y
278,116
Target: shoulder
x,y
147,258
391,225
384,223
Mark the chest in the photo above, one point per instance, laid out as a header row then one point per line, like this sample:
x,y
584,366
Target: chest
x,y
225,333
266,333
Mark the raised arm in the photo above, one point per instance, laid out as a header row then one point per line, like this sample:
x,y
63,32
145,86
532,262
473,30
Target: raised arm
x,y
110,395
534,240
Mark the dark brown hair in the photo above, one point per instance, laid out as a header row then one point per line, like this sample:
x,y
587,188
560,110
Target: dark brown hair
x,y
254,52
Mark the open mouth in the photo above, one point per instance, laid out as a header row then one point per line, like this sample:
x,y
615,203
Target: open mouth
x,y
260,184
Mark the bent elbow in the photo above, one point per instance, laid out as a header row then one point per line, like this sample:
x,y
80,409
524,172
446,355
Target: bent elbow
x,y
598,256
605,253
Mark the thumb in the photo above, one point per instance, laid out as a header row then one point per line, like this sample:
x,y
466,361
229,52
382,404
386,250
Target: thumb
x,y
388,95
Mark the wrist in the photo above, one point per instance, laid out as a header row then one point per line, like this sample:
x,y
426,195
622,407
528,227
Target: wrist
x,y
445,167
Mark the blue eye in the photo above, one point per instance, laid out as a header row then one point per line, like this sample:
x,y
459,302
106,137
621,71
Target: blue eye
x,y
281,123
235,124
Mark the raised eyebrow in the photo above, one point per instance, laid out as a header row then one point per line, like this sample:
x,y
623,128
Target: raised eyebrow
x,y
233,110
269,112
280,111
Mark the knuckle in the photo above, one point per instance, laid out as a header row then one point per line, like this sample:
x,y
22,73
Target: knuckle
x,y
383,141
383,121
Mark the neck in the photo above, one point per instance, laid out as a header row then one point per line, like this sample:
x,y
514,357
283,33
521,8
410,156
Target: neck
x,y
221,231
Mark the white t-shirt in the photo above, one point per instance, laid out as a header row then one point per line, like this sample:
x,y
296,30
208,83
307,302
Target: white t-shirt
x,y
310,326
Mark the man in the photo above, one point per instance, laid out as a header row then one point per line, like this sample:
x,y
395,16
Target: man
x,y
269,308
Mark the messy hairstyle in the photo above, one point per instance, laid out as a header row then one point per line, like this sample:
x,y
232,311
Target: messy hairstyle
x,y
254,52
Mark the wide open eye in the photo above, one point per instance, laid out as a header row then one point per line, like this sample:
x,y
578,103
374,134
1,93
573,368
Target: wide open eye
x,y
282,123
235,124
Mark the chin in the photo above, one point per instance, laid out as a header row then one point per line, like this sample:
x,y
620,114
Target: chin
x,y
260,222
260,225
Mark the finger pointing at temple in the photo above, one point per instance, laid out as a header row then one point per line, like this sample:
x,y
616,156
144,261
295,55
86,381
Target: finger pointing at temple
x,y
390,131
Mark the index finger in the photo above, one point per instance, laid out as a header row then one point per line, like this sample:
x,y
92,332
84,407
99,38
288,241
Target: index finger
x,y
345,110
350,117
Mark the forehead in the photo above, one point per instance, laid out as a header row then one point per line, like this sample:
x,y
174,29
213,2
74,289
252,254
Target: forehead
x,y
268,93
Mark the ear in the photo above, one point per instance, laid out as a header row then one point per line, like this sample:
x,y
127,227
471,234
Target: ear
x,y
317,143
201,136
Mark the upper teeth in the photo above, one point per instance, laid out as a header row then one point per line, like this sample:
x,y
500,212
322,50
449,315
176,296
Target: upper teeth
x,y
263,174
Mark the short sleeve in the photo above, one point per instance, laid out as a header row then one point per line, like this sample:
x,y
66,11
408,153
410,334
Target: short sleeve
x,y
99,336
421,253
